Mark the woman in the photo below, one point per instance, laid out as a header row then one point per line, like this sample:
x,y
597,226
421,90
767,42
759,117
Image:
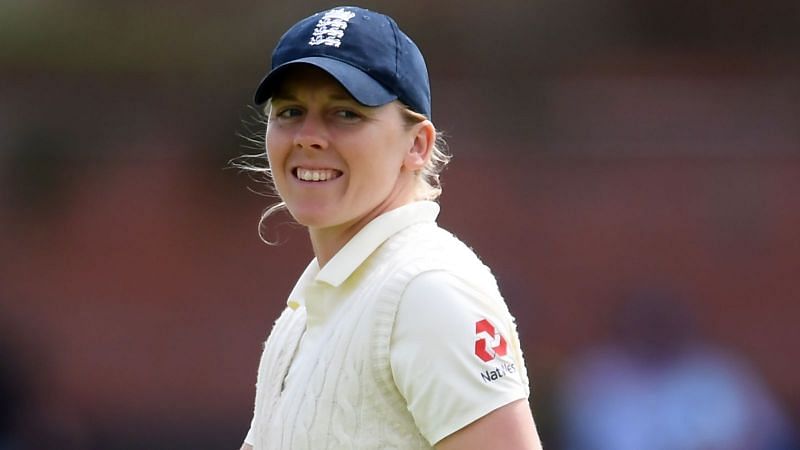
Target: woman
x,y
395,336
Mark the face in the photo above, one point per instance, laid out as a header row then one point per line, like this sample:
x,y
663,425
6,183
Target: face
x,y
336,163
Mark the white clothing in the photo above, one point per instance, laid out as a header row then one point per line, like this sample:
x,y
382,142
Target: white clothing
x,y
400,340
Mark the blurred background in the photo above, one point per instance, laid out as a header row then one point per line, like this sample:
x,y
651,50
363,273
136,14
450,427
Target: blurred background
x,y
630,170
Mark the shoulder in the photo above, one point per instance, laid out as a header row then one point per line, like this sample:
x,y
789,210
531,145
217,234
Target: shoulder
x,y
441,272
431,235
439,249
452,284
446,299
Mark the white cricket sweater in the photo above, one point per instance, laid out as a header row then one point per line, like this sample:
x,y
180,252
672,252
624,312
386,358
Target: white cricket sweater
x,y
346,398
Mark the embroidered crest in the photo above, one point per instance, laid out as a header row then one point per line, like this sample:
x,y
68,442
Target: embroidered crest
x,y
330,28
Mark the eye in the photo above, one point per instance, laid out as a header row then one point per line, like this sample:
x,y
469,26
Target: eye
x,y
288,112
348,115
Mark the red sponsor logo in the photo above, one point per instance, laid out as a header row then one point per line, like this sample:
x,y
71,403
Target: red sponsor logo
x,y
489,344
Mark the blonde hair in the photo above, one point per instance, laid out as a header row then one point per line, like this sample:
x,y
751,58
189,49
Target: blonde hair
x,y
428,186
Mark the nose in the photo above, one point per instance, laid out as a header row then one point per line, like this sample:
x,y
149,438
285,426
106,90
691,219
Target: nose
x,y
311,134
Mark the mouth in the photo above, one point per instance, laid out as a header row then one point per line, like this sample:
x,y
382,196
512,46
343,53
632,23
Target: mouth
x,y
316,175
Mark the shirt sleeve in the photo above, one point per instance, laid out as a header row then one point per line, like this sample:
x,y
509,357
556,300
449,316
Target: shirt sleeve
x,y
250,438
451,354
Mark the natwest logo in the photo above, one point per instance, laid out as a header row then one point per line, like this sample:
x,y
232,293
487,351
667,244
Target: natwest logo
x,y
488,342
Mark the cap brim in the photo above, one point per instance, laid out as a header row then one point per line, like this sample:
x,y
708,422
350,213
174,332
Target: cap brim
x,y
361,86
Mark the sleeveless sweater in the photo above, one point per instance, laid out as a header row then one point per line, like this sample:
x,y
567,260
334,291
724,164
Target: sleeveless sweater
x,y
347,399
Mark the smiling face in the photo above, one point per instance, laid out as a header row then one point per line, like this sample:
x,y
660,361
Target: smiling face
x,y
336,163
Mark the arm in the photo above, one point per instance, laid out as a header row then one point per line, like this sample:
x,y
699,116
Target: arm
x,y
510,426
459,398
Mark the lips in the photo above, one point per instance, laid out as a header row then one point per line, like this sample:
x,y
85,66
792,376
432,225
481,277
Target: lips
x,y
316,175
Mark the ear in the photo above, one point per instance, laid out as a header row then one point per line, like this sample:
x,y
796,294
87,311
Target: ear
x,y
423,137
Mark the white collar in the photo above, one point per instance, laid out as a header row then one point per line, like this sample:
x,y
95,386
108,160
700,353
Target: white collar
x,y
360,246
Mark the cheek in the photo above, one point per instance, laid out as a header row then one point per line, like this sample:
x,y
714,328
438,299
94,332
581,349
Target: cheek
x,y
275,148
276,160
381,168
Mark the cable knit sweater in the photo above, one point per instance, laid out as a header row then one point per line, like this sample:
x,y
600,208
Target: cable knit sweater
x,y
347,399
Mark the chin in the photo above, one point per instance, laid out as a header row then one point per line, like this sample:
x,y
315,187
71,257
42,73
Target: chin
x,y
311,218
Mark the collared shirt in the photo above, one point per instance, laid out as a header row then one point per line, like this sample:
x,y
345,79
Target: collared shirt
x,y
317,289
444,326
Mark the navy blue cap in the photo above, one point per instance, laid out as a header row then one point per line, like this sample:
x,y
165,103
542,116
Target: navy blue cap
x,y
365,51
